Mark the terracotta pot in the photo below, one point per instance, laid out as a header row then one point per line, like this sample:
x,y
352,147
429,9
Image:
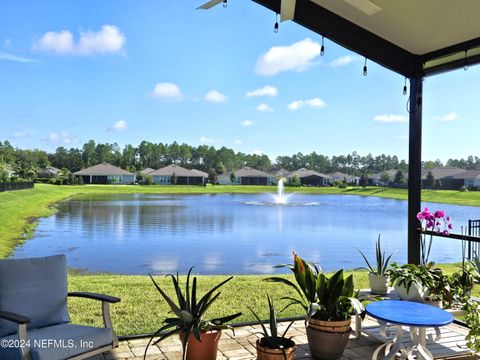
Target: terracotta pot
x,y
416,292
378,284
265,353
205,349
326,345
330,326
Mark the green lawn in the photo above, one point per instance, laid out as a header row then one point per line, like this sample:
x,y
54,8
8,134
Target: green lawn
x,y
19,210
142,309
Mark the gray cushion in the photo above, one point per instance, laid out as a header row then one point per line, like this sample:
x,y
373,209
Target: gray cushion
x,y
66,340
36,288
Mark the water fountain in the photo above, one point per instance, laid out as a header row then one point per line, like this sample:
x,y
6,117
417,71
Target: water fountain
x,y
280,198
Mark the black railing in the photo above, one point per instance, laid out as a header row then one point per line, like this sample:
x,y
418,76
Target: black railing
x,y
12,186
473,230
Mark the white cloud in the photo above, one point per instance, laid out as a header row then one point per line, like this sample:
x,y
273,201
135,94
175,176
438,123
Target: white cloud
x,y
108,40
120,125
264,108
315,103
295,57
19,134
343,60
215,97
61,138
238,142
451,116
257,152
247,123
11,57
205,140
391,118
267,90
167,92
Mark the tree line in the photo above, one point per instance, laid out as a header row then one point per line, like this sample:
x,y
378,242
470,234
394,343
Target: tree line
x,y
27,162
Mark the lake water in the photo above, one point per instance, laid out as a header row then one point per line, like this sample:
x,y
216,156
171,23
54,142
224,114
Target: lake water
x,y
227,233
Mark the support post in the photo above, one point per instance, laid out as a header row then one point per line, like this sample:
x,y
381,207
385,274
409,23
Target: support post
x,y
415,169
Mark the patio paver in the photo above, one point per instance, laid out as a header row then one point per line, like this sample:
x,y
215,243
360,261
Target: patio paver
x,y
241,346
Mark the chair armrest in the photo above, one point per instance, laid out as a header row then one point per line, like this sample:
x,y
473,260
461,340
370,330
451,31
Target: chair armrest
x,y
93,296
17,318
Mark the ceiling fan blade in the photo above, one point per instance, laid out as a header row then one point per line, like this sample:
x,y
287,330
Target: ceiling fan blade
x,y
210,4
287,10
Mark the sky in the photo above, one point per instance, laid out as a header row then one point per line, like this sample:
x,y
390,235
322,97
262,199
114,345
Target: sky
x,y
161,71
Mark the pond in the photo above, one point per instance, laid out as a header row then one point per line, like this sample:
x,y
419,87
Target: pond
x,y
228,233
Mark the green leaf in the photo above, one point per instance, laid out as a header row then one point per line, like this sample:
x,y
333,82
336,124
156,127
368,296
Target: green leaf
x,y
286,282
170,302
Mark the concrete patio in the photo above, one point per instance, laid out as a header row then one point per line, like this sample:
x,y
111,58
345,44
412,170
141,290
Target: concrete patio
x,y
241,346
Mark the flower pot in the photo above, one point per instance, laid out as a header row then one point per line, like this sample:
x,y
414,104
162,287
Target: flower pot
x,y
378,284
436,303
330,326
326,345
205,349
415,293
265,353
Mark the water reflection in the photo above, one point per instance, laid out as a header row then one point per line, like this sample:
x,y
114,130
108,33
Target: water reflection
x,y
222,234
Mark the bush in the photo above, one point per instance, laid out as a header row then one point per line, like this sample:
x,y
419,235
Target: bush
x,y
342,185
148,180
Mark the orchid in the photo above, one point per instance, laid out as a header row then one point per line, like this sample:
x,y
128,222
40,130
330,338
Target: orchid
x,y
436,223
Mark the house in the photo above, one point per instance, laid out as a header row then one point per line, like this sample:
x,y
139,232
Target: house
x,y
49,172
447,176
470,179
146,171
250,176
183,176
278,174
339,176
378,178
310,177
105,173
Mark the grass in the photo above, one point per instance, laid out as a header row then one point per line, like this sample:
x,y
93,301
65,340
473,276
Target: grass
x,y
20,209
142,309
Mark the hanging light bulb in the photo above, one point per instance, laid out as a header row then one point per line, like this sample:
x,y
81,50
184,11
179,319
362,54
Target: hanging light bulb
x,y
365,70
465,65
405,87
322,48
225,3
275,28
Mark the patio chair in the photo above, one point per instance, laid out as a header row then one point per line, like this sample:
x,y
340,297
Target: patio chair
x,y
34,313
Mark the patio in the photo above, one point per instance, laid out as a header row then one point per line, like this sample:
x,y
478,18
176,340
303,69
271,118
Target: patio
x,y
240,347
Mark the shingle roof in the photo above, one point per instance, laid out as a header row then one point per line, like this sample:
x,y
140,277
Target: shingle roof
x,y
147,171
199,172
467,175
280,172
339,175
103,169
301,173
178,170
440,173
250,172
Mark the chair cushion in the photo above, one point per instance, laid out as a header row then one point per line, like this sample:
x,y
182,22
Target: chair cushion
x,y
63,341
36,288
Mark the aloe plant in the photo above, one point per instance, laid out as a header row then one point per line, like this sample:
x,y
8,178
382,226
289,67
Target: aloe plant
x,y
272,339
189,312
381,260
323,298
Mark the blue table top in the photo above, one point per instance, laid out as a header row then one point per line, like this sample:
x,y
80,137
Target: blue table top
x,y
409,313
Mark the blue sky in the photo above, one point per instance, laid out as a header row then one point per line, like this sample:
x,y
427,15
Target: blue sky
x,y
161,71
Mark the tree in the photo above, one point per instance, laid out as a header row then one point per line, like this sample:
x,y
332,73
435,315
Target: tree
x,y
385,178
295,181
174,179
430,180
399,177
212,176
233,177
363,180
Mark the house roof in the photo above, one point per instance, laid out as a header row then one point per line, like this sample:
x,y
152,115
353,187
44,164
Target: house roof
x,y
467,175
441,172
199,172
280,172
147,171
250,172
178,170
413,38
301,173
103,169
340,175
391,173
49,170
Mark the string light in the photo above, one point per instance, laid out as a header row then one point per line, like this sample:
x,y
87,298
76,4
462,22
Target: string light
x,y
465,65
365,70
275,28
405,87
322,49
225,3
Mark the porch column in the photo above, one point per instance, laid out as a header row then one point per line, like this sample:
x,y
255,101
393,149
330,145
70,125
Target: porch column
x,y
414,169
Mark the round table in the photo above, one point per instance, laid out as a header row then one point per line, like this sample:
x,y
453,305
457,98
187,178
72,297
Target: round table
x,y
417,316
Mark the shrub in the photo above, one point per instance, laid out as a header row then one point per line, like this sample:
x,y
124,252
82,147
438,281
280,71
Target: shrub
x,y
342,185
148,180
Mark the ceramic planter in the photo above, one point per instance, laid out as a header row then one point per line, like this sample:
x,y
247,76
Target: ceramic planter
x,y
327,339
265,353
378,284
416,292
204,350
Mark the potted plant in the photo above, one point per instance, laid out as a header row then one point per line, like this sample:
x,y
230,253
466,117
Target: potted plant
x,y
377,276
411,281
273,346
328,302
199,336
